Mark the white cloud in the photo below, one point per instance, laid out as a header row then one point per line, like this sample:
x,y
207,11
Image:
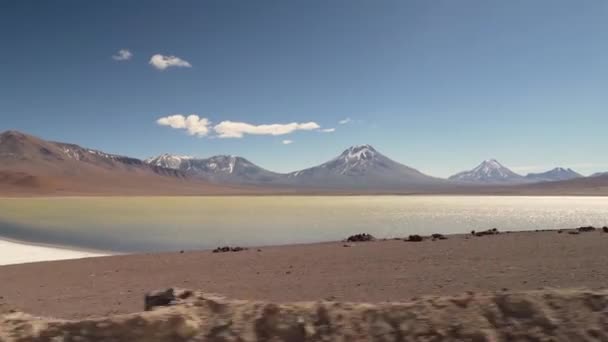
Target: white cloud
x,y
345,121
122,55
161,62
191,123
231,129
196,125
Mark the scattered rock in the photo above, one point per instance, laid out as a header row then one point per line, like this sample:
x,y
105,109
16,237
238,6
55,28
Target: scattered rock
x,y
414,238
492,231
363,237
586,229
228,249
437,236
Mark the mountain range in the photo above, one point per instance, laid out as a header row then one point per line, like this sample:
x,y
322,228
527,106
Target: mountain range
x,y
32,165
493,172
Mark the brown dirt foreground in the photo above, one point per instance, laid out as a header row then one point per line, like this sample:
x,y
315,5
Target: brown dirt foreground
x,y
371,272
574,315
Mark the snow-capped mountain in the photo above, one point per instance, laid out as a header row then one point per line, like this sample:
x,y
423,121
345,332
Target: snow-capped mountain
x,y
556,174
361,167
489,172
168,161
221,168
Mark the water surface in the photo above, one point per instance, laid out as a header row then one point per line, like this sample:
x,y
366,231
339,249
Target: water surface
x,y
129,224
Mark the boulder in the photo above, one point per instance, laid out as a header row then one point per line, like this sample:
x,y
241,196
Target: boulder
x,y
415,238
492,231
168,297
228,249
437,236
586,229
605,229
363,237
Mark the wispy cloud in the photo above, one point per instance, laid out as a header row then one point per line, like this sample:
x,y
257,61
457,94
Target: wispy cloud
x,y
327,130
231,129
162,62
345,121
192,123
122,55
287,142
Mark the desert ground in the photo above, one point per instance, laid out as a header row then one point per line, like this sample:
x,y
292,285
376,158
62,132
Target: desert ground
x,y
377,271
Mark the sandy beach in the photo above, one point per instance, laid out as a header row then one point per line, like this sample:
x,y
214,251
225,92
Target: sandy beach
x,y
379,271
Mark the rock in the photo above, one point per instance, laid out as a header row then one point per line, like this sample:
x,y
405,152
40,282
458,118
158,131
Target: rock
x,y
414,238
559,231
228,249
363,237
545,315
347,245
438,236
472,232
573,233
586,229
492,231
605,229
166,297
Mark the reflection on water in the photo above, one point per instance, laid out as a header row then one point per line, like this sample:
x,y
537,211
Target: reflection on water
x,y
171,223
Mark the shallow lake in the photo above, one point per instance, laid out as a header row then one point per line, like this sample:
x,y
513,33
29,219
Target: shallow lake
x,y
128,224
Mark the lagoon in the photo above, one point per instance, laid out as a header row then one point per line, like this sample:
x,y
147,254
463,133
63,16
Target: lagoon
x,y
150,224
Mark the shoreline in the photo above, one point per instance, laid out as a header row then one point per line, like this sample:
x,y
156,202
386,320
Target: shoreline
x,y
68,252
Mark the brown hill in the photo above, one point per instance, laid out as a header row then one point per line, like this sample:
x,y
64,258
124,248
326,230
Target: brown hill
x,y
30,165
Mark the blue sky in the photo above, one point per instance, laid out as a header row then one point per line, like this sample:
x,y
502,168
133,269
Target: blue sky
x,y
437,85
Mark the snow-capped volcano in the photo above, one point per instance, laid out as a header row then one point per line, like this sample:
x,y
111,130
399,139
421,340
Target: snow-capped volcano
x,y
354,160
361,166
557,174
221,168
489,172
168,161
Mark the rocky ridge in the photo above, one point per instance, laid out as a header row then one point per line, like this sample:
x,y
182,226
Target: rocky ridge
x,y
182,315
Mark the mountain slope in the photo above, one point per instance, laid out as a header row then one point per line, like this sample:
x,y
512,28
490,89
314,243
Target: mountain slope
x,y
30,164
218,169
556,174
362,167
489,172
